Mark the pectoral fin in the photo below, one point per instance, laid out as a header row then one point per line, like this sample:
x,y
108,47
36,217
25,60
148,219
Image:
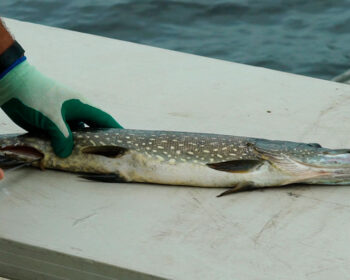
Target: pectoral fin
x,y
243,186
236,166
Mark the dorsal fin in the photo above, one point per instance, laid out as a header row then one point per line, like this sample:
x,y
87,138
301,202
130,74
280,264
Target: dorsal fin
x,y
239,166
314,145
107,151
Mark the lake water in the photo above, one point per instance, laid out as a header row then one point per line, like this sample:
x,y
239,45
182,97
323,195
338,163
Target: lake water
x,y
304,37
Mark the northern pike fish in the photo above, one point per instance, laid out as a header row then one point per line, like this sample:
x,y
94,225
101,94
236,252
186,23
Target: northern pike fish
x,y
182,158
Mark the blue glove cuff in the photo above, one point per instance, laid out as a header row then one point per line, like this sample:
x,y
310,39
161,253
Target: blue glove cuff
x,y
13,65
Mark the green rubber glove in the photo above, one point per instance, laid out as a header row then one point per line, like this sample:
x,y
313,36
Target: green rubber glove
x,y
37,103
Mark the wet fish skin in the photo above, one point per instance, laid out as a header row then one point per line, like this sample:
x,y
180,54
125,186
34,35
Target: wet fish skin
x,y
193,159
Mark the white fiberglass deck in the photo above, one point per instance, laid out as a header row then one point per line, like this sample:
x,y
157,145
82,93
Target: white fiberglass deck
x,y
56,226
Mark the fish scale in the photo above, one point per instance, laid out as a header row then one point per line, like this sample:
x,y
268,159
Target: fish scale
x,y
180,146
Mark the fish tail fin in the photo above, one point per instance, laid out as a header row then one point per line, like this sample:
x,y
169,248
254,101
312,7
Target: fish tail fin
x,y
7,162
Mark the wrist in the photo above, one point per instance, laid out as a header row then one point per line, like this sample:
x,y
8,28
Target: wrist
x,y
13,65
10,58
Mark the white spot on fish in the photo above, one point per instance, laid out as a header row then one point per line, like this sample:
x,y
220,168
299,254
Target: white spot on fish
x,y
206,151
160,147
190,153
92,142
119,141
220,156
178,152
96,136
172,161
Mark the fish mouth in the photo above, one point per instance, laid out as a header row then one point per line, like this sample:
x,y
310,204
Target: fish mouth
x,y
330,161
330,168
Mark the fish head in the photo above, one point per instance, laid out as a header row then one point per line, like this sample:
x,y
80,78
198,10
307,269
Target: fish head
x,y
307,163
333,166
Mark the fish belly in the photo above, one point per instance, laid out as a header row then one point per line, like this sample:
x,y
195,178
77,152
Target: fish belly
x,y
136,167
139,167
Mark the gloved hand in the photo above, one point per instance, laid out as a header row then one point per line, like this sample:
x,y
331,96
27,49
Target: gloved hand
x,y
36,102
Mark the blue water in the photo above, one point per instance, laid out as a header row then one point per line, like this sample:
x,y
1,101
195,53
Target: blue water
x,y
299,36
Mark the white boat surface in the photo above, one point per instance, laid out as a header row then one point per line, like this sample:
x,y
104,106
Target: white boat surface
x,y
54,225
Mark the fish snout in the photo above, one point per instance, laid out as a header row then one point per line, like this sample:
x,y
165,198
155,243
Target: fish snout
x,y
332,159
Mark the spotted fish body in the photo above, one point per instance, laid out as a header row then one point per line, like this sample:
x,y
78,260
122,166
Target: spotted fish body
x,y
182,158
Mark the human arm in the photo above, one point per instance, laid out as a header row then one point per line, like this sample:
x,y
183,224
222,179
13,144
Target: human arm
x,y
38,103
